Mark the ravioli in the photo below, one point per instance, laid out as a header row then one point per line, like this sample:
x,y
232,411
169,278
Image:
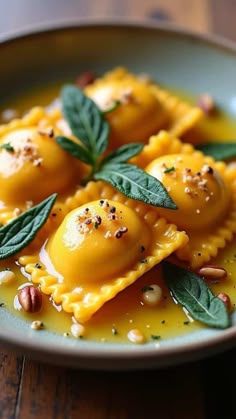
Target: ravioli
x,y
32,164
101,248
204,191
144,107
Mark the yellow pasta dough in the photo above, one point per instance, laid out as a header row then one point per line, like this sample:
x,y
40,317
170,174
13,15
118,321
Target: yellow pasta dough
x,y
32,164
144,107
204,191
100,249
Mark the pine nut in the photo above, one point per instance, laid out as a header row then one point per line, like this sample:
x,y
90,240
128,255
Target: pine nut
x,y
77,330
153,295
212,272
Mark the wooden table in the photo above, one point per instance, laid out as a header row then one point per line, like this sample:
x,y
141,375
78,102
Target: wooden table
x,y
198,390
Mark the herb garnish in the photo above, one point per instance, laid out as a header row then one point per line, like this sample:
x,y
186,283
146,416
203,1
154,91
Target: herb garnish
x,y
155,337
88,124
8,147
194,294
19,232
218,150
169,169
147,288
112,108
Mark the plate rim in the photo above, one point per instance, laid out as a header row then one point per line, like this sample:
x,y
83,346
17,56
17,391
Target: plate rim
x,y
216,40
162,356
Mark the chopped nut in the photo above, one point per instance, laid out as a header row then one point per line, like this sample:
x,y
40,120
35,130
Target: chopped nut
x,y
29,204
127,96
206,104
226,299
49,132
6,277
38,162
30,298
107,235
17,212
119,233
212,272
37,325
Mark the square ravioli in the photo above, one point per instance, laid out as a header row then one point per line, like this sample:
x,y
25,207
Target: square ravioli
x,y
104,244
203,189
144,107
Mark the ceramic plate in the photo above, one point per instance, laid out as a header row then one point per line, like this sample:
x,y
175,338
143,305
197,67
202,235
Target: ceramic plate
x,y
175,58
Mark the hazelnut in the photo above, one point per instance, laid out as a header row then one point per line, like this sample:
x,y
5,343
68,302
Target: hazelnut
x,y
30,299
85,79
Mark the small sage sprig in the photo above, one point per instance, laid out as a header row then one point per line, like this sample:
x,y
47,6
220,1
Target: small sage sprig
x,y
19,232
193,293
219,150
88,124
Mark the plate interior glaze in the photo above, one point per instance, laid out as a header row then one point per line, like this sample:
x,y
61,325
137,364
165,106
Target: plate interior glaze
x,y
174,58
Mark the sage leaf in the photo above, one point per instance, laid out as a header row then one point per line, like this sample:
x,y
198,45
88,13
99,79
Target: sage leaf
x,y
76,150
194,294
217,150
19,232
85,120
123,153
134,183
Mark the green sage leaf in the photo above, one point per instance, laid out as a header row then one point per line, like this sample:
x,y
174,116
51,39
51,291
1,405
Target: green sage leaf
x,y
134,183
76,150
219,151
19,232
123,153
194,294
85,120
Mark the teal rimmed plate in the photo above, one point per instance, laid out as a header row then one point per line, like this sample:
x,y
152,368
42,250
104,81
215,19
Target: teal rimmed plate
x,y
184,60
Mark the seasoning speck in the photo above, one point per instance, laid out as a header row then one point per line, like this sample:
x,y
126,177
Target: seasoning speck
x,y
155,337
169,169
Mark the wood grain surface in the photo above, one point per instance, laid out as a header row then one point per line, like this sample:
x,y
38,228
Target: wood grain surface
x,y
192,391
